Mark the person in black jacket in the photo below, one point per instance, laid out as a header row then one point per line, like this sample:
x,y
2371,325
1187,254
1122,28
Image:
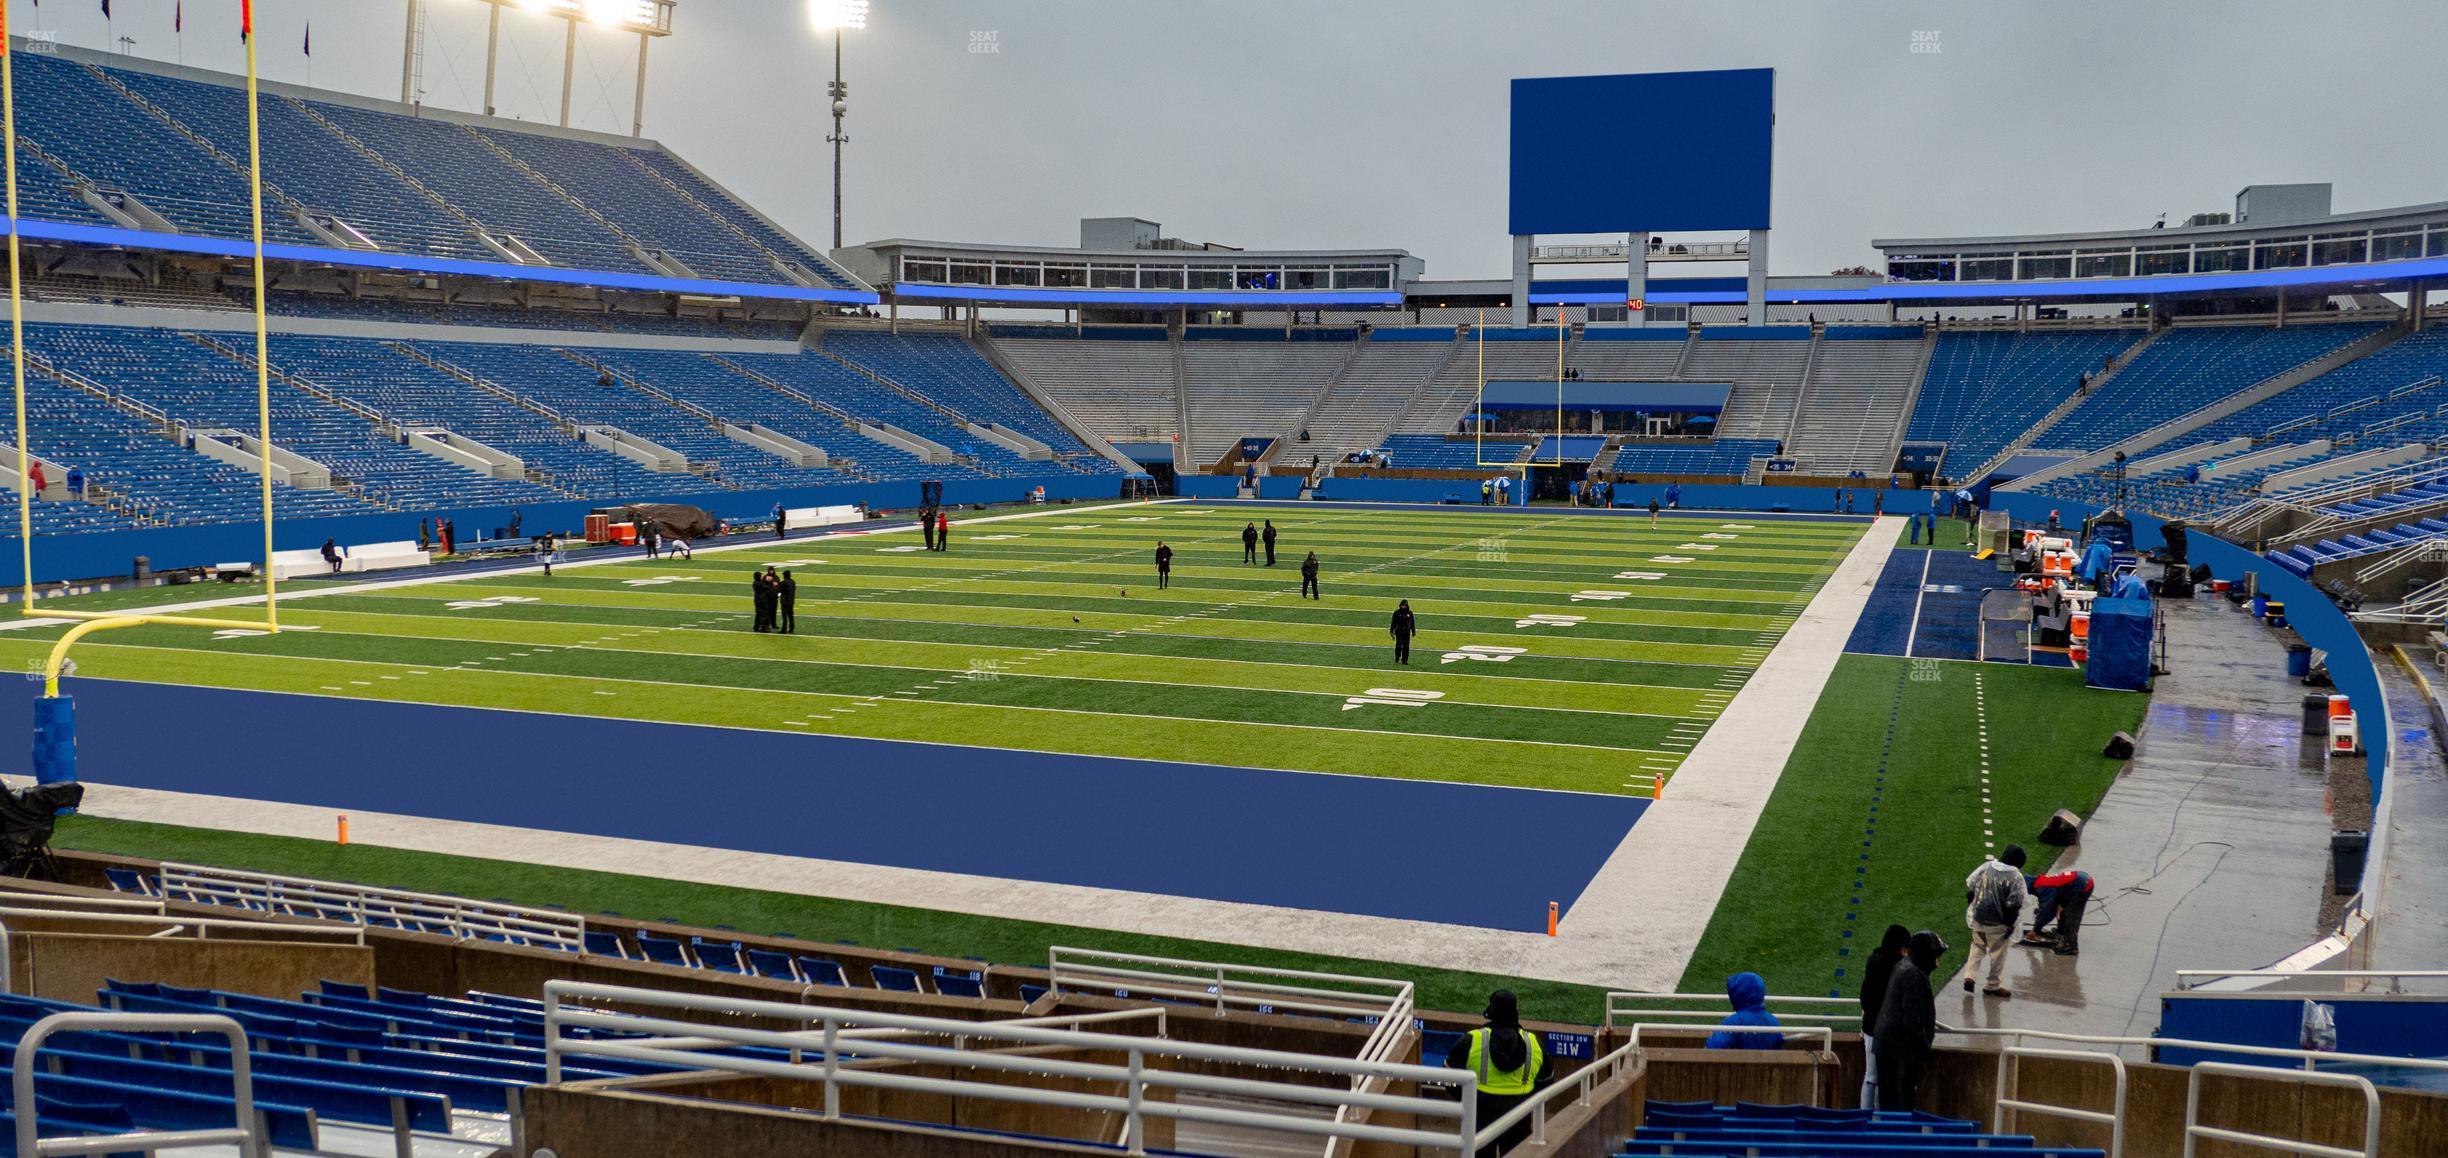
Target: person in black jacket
x,y
761,594
926,525
1907,1022
1875,973
1267,536
1249,542
788,599
1309,570
1164,565
1405,625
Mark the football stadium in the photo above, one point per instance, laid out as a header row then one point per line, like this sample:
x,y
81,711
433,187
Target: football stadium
x,y
536,643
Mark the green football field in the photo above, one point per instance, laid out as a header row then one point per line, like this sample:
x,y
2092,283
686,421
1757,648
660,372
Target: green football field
x,y
1227,666
1555,650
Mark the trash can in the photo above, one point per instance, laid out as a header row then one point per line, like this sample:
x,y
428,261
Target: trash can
x,y
2299,663
2276,611
142,568
2346,853
2315,714
2260,605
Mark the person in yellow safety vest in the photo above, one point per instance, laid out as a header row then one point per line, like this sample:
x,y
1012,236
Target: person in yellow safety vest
x,y
1510,1064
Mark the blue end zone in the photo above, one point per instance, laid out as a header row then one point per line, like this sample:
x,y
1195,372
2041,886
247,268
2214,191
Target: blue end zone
x,y
1927,605
1345,844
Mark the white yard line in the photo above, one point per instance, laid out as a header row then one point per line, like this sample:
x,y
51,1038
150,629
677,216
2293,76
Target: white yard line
x,y
1912,630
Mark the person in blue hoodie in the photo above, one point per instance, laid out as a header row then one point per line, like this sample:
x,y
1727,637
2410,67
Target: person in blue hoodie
x,y
1749,993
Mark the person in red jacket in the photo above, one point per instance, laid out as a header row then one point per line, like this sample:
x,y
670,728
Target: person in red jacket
x,y
2062,896
943,532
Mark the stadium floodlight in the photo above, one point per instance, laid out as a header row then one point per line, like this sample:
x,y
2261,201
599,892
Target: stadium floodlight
x,y
835,15
646,18
621,13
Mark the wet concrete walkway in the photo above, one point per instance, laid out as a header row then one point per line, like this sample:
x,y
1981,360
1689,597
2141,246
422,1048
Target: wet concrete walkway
x,y
2211,851
2410,930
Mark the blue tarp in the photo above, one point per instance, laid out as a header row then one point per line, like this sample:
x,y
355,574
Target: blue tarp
x,y
2094,562
2120,645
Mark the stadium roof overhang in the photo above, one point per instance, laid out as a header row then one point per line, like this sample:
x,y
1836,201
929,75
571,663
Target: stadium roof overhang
x,y
112,237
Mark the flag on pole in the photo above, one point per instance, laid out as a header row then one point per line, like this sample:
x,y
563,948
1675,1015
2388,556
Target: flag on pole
x,y
105,9
178,16
308,46
246,19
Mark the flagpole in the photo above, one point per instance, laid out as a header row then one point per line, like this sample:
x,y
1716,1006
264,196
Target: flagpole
x,y
263,340
8,145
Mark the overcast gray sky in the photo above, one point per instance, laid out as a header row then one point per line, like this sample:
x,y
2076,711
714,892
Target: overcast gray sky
x,y
1381,123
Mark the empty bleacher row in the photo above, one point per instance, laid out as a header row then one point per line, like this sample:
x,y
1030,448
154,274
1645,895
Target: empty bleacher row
x,y
379,177
1141,384
122,403
1456,452
1860,384
2188,367
1720,456
2389,398
1984,388
1237,388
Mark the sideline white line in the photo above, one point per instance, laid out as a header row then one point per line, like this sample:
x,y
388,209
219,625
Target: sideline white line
x,y
1645,911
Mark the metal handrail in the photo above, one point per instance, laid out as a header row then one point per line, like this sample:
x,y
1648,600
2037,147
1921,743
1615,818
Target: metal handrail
x,y
2184,976
246,1133
2194,1130
1223,985
465,920
1618,1006
2009,1076
2309,1057
1826,1036
822,1050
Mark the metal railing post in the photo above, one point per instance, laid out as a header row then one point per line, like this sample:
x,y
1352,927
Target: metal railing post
x,y
552,1035
832,1069
1134,1139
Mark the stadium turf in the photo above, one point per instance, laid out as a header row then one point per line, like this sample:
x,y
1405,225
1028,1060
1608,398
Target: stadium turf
x,y
1888,802
1048,633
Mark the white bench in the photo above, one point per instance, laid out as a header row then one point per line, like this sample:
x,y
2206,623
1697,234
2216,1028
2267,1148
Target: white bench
x,y
384,556
822,516
291,564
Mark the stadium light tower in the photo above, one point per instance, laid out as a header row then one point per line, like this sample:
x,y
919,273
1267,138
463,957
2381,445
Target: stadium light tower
x,y
837,15
647,18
